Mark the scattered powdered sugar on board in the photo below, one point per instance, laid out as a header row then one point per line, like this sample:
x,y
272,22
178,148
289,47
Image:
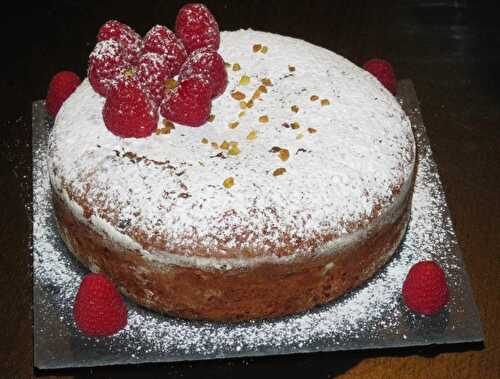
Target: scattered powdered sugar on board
x,y
355,320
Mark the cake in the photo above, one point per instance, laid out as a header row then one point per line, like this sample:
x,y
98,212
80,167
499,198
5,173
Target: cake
x,y
284,200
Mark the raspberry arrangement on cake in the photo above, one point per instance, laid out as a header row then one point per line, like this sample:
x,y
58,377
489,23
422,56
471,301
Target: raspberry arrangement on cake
x,y
229,176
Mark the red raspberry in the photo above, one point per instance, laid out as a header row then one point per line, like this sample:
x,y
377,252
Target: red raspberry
x,y
162,40
209,63
152,72
62,85
383,71
128,111
425,290
106,64
128,38
197,27
99,309
189,103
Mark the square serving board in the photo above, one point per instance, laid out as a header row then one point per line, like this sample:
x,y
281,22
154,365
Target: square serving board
x,y
369,317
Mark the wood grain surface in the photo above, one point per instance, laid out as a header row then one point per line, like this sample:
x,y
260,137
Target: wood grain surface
x,y
451,51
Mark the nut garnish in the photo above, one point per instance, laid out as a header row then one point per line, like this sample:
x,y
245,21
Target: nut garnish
x,y
279,171
233,125
170,84
252,135
294,108
243,104
325,102
267,82
234,150
244,80
256,47
299,136
211,118
228,182
168,126
295,125
284,154
263,119
214,145
264,49
256,94
241,114
262,89
291,68
129,73
249,104
237,95
311,130
204,140
224,145
314,98
236,67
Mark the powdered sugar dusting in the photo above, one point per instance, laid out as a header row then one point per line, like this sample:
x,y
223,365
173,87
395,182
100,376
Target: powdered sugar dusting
x,y
362,149
367,314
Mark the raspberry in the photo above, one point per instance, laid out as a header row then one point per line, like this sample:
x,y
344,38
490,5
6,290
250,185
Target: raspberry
x,y
383,71
208,63
197,27
128,38
425,290
162,40
106,65
189,103
152,71
128,112
99,309
62,85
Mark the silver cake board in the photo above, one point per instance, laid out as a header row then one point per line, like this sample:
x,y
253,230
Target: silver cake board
x,y
379,319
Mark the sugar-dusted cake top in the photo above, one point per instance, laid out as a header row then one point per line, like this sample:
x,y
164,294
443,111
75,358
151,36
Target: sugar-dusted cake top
x,y
322,147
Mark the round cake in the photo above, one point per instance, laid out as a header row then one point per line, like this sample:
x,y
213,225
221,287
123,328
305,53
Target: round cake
x,y
296,190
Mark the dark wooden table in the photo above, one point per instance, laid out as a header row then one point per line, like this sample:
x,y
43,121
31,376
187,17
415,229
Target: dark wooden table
x,y
450,49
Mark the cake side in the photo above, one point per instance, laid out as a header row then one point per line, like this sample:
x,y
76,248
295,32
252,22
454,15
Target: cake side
x,y
266,289
165,192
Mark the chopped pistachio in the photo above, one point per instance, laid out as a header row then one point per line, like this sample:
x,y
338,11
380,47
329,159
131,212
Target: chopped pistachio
x,y
279,171
228,182
252,135
237,95
244,80
284,154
